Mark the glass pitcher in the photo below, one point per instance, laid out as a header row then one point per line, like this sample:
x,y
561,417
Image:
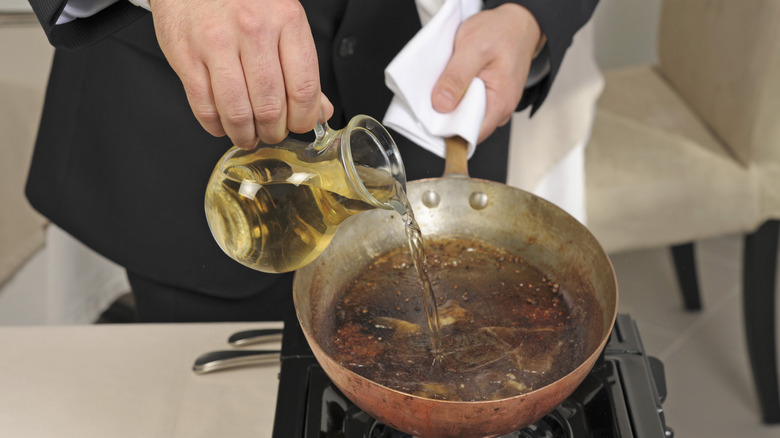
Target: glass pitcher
x,y
277,207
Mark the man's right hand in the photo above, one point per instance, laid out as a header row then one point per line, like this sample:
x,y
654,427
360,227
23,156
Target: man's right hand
x,y
249,67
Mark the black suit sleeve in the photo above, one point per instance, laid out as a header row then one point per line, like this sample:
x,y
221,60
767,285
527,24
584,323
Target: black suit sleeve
x,y
559,21
84,31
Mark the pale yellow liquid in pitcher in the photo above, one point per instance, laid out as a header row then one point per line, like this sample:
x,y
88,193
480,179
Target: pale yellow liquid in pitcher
x,y
274,212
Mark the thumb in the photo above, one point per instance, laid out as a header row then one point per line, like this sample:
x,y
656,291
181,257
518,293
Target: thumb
x,y
449,89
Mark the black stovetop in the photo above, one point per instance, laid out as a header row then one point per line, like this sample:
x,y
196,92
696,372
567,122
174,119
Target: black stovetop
x,y
621,397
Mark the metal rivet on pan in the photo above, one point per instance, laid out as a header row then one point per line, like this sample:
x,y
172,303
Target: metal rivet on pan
x,y
431,199
478,200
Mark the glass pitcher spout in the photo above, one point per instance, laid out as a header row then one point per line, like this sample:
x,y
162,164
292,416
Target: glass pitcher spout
x,y
276,208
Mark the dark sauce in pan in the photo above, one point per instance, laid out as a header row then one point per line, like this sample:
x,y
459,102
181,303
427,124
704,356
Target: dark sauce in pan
x,y
506,327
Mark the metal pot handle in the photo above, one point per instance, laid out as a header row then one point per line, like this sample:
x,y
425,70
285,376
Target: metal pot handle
x,y
456,158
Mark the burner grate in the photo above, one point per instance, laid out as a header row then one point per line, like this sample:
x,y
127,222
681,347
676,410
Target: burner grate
x,y
553,425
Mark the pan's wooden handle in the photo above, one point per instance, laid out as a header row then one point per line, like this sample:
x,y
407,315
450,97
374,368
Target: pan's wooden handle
x,y
456,158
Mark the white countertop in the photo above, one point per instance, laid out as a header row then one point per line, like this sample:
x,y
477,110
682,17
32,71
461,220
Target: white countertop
x,y
132,380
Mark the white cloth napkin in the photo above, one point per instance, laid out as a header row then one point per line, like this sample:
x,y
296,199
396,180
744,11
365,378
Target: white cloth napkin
x,y
426,9
414,71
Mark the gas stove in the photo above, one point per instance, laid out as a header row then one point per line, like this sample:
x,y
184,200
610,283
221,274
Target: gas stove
x,y
621,397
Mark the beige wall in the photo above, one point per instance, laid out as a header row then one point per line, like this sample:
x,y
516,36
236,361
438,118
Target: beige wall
x,y
14,6
625,32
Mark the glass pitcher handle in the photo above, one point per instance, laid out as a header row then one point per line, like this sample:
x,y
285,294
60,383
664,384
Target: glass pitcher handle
x,y
321,128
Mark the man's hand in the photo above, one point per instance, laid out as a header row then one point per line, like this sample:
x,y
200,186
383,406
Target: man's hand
x,y
249,67
496,45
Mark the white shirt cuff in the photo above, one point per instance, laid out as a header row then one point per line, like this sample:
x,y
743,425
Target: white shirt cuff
x,y
86,8
142,3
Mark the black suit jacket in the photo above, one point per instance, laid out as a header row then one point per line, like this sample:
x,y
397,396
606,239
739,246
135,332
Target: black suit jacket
x,y
122,164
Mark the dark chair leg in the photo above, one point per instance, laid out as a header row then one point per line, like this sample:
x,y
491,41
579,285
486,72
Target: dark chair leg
x,y
685,265
759,280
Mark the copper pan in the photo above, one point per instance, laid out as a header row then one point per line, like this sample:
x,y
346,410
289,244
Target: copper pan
x,y
456,205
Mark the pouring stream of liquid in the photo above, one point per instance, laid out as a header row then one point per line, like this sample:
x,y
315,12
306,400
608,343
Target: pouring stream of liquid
x,y
456,164
417,248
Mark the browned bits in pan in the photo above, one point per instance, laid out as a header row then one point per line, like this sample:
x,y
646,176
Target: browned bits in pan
x,y
500,317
